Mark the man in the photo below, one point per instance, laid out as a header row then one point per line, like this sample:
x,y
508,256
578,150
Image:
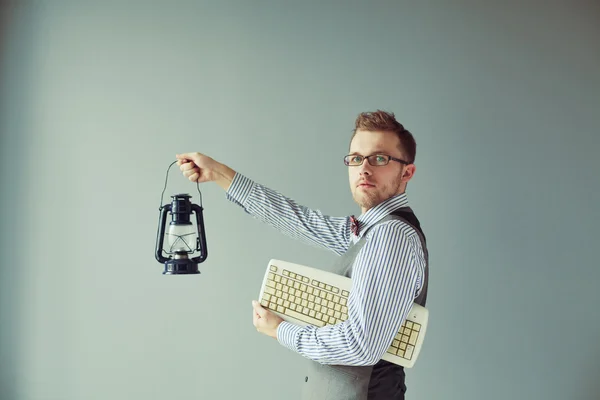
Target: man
x,y
383,250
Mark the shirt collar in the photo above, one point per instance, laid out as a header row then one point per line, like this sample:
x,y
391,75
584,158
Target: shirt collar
x,y
375,214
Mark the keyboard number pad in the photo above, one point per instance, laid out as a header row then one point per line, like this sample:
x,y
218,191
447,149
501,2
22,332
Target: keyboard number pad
x,y
405,341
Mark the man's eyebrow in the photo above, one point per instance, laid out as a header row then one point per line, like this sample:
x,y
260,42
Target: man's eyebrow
x,y
372,154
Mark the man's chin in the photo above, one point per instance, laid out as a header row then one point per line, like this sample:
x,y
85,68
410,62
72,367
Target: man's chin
x,y
364,201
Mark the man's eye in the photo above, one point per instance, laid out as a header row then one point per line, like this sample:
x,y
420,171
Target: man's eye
x,y
380,158
357,159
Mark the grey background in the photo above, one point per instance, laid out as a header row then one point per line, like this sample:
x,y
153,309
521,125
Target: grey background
x,y
97,97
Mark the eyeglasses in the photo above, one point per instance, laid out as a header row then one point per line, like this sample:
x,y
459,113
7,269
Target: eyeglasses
x,y
376,160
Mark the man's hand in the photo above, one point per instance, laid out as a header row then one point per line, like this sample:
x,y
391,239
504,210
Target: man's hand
x,y
264,320
200,168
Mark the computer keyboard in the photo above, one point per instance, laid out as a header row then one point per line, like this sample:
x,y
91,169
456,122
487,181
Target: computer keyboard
x,y
308,296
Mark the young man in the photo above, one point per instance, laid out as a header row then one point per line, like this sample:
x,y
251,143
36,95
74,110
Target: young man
x,y
383,250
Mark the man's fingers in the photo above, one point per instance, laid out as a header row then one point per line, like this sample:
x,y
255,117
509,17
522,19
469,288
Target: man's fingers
x,y
185,156
194,177
258,309
186,166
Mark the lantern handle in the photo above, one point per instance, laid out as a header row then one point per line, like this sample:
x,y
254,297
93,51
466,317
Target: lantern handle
x,y
165,188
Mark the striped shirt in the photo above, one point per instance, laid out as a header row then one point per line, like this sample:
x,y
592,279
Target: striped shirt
x,y
387,274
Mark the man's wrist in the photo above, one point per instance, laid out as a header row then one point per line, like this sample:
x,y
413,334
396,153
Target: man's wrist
x,y
224,176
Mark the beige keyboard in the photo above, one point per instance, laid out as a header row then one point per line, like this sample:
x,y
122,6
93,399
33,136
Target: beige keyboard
x,y
305,295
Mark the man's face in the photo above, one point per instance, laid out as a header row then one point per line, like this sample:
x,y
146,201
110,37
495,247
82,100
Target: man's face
x,y
371,185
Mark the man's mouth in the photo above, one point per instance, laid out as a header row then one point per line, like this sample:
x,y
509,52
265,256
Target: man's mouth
x,y
365,185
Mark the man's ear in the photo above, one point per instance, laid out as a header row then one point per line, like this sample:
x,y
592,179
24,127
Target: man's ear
x,y
409,172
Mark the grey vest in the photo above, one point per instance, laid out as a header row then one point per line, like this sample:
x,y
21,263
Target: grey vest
x,y
382,381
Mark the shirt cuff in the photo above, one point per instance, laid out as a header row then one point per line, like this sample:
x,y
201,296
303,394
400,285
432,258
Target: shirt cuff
x,y
239,189
287,334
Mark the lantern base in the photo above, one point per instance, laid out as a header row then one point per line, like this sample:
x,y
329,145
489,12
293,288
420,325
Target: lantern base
x,y
180,267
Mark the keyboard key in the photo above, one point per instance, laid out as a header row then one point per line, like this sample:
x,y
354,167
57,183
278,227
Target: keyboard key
x,y
269,290
416,327
310,290
311,298
277,278
328,287
336,299
264,303
303,287
305,295
344,317
271,283
413,338
286,304
329,296
335,290
409,351
343,301
286,272
273,268
345,293
271,275
332,320
344,310
305,318
315,283
305,280
337,314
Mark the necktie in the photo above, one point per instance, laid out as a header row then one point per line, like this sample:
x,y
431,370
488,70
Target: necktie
x,y
354,225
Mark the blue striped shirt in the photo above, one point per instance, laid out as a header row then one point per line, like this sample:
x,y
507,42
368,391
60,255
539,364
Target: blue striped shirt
x,y
387,274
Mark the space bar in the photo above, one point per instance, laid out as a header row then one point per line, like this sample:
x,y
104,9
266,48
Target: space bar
x,y
304,318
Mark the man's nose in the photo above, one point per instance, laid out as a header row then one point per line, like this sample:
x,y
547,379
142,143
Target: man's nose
x,y
365,168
